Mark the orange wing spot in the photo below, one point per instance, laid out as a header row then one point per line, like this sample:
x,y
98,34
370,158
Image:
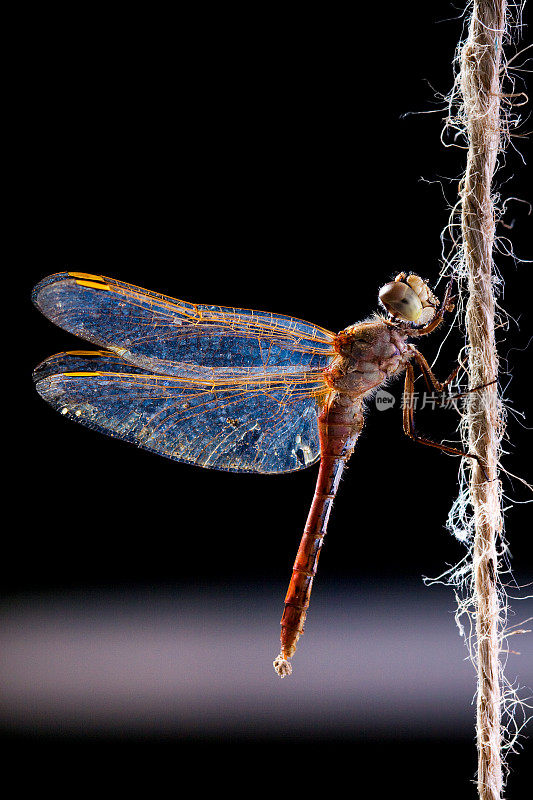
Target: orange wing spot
x,y
88,353
87,276
81,374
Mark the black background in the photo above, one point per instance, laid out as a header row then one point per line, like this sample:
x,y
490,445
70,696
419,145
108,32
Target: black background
x,y
258,161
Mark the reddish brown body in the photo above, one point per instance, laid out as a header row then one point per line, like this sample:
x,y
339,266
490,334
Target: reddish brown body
x,y
338,436
368,354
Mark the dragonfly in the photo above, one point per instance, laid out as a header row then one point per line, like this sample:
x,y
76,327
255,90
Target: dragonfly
x,y
236,389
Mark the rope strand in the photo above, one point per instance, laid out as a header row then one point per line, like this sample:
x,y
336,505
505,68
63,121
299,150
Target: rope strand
x,y
480,85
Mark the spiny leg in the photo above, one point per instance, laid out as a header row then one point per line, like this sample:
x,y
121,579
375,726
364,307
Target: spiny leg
x,y
429,375
433,383
409,417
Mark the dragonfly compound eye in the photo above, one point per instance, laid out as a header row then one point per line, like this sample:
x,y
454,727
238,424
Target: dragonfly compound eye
x,y
401,301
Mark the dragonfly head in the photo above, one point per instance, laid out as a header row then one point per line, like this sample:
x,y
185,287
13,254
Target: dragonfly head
x,y
409,299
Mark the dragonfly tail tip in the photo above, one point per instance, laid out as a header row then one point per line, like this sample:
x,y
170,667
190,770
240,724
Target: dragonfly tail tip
x,y
282,666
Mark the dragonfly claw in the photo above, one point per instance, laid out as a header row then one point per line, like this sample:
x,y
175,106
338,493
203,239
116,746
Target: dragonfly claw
x,y
282,666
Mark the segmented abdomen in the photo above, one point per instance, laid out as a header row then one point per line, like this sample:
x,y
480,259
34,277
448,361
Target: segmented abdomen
x,y
339,426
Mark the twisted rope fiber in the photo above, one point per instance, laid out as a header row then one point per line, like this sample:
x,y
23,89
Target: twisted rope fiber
x,y
480,86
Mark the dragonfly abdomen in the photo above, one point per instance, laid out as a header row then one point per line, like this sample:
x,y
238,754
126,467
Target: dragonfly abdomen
x,y
339,426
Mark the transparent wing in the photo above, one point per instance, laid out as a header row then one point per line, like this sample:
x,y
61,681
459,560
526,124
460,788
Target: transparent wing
x,y
262,424
173,337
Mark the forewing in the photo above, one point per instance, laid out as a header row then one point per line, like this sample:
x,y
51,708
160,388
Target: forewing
x,y
173,337
258,425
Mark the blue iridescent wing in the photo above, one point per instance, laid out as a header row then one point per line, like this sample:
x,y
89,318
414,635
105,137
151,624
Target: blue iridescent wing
x,y
264,423
174,337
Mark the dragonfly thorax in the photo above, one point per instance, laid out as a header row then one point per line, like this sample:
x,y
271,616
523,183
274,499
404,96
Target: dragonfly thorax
x,y
368,354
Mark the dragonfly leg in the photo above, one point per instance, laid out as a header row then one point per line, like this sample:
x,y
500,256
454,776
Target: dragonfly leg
x,y
409,418
429,375
433,383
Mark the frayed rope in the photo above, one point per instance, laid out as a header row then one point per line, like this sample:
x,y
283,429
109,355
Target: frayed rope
x,y
479,111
